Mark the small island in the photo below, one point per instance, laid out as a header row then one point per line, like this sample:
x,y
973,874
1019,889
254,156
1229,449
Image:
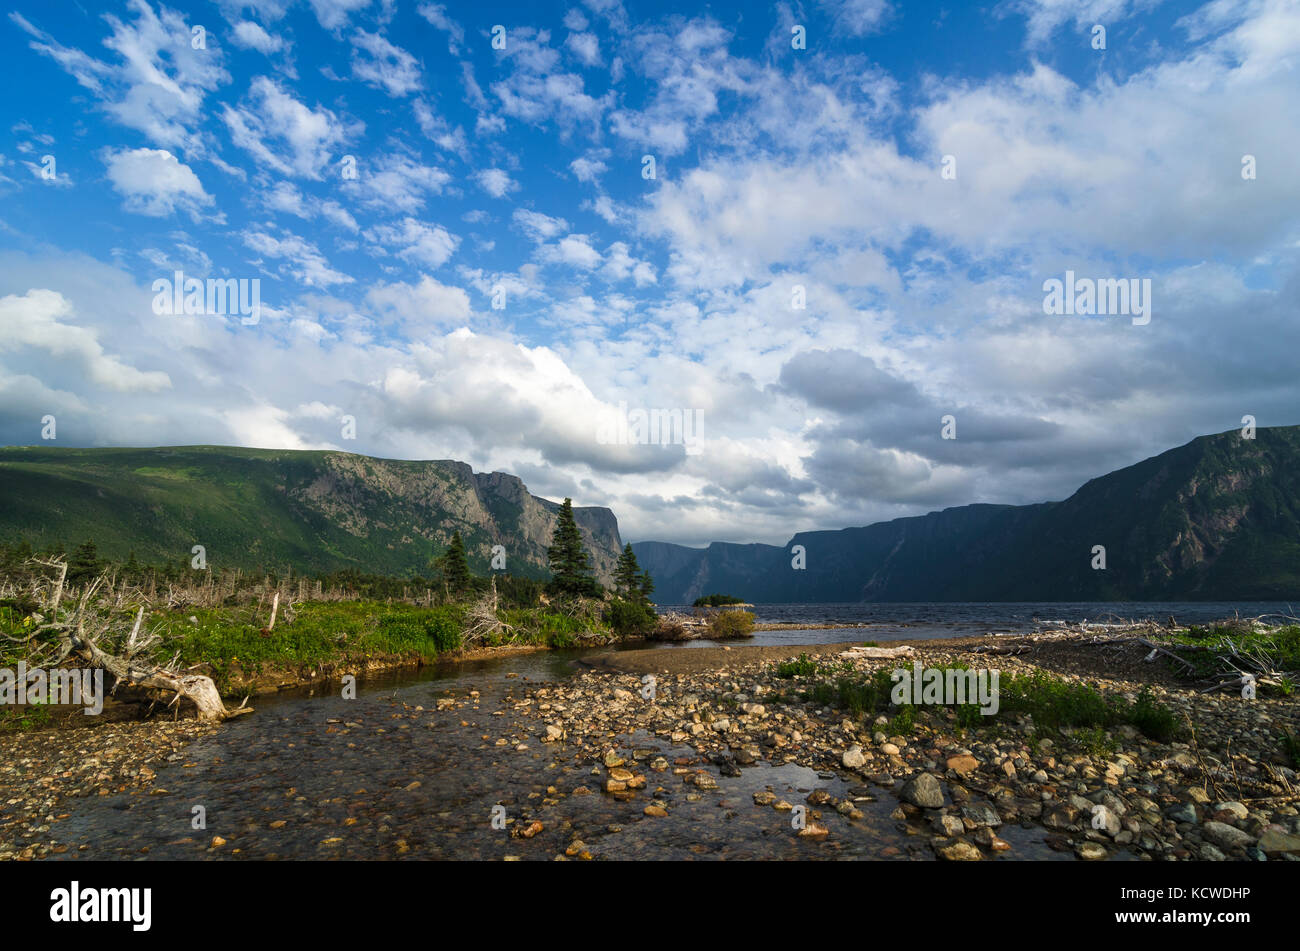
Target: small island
x,y
720,601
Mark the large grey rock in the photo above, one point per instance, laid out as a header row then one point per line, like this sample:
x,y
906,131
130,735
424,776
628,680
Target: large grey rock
x,y
924,791
982,814
853,758
1225,836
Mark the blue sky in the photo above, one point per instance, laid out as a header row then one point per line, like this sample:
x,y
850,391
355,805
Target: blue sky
x,y
213,138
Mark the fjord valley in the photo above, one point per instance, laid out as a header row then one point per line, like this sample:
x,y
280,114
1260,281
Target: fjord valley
x,y
349,610
1215,519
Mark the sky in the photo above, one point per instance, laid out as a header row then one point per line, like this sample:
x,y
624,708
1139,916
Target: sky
x,y
820,233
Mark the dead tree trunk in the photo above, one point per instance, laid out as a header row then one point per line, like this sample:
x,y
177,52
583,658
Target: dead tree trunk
x,y
78,631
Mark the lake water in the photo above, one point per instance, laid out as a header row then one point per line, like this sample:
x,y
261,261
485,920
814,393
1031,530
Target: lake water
x,y
960,619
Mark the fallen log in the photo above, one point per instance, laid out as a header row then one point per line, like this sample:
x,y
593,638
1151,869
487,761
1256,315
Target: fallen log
x,y
77,632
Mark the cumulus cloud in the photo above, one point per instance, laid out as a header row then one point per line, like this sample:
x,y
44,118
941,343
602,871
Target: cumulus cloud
x,y
251,36
303,260
495,182
415,241
159,83
800,270
420,305
37,320
154,182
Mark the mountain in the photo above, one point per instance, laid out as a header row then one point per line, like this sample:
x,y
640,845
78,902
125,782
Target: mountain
x,y
1216,519
263,508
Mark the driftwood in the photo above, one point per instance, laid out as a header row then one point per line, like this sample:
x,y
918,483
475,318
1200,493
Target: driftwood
x,y
482,622
853,653
82,630
1242,666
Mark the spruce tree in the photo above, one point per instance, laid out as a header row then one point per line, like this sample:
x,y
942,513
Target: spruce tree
x,y
454,566
647,585
570,565
626,574
84,563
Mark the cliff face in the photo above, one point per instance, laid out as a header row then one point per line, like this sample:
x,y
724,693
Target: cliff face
x,y
278,508
1216,519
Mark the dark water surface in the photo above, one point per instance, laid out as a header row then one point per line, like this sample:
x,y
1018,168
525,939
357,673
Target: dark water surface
x,y
963,619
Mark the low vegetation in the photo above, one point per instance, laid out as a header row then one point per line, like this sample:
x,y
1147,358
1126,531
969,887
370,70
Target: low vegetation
x,y
1077,712
1270,653
725,625
238,630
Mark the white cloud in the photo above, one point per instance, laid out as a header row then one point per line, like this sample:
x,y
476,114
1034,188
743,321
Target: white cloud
x,y
574,250
420,306
159,86
36,320
283,133
538,226
396,182
333,14
414,241
380,63
306,263
154,182
252,36
496,182
589,168
859,17
585,47
1045,17
436,14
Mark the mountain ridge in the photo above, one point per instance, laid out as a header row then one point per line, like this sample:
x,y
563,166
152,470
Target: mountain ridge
x,y
314,510
1217,518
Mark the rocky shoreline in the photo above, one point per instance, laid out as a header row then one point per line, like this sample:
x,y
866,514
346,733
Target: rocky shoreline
x,y
1222,793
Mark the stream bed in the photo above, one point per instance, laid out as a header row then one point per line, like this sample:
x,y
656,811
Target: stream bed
x,y
391,775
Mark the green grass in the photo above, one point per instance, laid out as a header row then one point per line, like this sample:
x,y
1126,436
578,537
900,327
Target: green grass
x,y
321,632
1291,747
805,666
1073,711
1280,646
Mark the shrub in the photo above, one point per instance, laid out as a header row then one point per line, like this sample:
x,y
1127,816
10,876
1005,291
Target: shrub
x,y
1154,719
803,667
443,627
438,628
629,618
1095,741
1055,703
727,624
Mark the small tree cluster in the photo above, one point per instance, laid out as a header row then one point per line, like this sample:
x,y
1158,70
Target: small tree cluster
x,y
630,582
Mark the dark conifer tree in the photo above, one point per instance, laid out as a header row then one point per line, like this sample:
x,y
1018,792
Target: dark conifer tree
x,y
454,566
570,564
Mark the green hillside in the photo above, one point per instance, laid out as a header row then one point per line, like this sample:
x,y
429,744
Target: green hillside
x,y
273,509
